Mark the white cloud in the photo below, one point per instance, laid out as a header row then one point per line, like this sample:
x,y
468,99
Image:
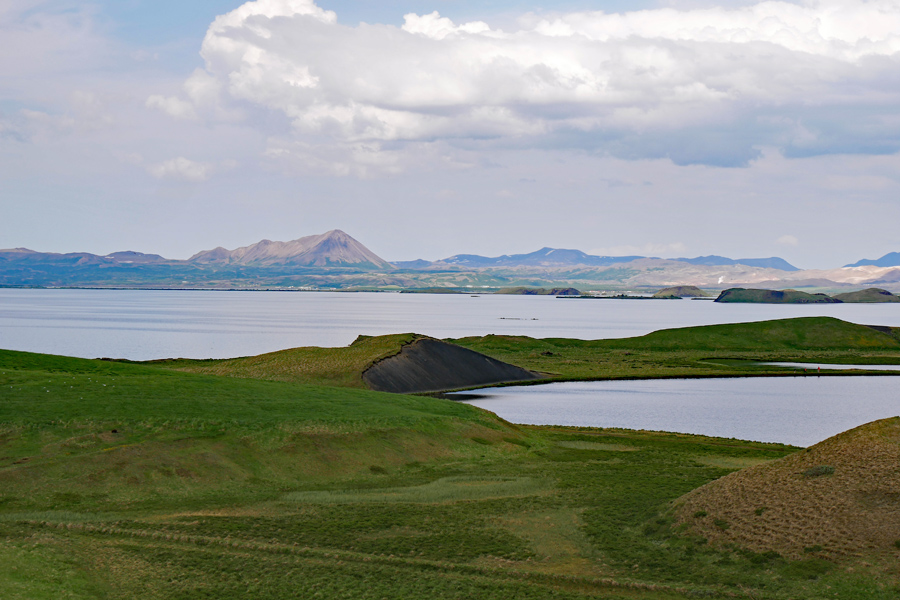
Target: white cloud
x,y
182,169
704,85
788,240
85,112
437,27
174,107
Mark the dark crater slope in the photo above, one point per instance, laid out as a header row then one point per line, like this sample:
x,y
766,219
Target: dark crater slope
x,y
429,365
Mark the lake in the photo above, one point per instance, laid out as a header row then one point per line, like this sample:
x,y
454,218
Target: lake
x,y
791,410
150,324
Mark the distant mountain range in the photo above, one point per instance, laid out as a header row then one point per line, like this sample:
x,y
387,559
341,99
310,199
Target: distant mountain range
x,y
891,259
557,257
332,249
334,260
545,257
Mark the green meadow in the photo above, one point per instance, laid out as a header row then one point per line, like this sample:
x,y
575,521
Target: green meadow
x,y
732,350
124,480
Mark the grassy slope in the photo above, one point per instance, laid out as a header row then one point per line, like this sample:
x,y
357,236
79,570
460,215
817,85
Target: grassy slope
x,y
835,499
708,351
324,366
221,487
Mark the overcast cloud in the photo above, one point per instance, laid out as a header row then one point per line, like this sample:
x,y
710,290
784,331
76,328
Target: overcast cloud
x,y
708,86
737,128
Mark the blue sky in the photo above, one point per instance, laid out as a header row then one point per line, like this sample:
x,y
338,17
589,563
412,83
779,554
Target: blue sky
x,y
666,128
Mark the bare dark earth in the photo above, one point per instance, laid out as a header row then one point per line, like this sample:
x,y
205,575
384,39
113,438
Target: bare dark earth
x,y
429,365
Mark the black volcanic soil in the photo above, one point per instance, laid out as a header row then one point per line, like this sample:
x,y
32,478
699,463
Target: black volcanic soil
x,y
429,365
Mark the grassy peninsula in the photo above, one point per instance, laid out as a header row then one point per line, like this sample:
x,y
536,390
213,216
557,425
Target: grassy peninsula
x,y
733,350
211,479
707,351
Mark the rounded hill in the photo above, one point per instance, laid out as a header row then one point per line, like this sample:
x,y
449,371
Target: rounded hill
x,y
840,497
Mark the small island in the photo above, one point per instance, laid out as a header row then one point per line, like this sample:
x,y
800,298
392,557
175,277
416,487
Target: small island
x,y
756,296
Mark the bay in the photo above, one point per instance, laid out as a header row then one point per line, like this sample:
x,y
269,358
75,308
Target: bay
x,y
791,410
151,324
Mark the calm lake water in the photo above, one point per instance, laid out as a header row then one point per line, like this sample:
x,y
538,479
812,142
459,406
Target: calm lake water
x,y
148,324
792,410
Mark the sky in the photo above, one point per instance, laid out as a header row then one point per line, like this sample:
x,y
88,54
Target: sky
x,y
427,128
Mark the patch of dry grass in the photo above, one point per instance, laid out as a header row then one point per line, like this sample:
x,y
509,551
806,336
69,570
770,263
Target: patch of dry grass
x,y
799,506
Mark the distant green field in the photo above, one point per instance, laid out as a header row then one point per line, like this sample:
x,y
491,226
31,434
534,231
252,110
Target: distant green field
x,y
708,351
122,480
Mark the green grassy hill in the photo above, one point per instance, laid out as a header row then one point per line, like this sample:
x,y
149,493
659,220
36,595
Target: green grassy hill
x,y
868,295
123,481
324,366
707,351
804,333
773,297
97,427
681,291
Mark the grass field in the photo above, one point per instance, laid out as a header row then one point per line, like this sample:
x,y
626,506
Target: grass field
x,y
708,351
123,480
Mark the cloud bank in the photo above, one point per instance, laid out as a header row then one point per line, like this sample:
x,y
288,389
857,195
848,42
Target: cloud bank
x,y
708,86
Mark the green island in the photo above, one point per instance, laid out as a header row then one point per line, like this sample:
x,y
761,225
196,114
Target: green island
x,y
283,475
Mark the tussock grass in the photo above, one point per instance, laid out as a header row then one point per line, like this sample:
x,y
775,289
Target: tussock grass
x,y
839,496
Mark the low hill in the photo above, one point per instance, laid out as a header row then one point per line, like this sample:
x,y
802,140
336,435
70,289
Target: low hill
x,y
114,430
529,291
868,295
427,365
773,262
332,249
837,498
681,291
773,297
402,363
728,350
341,366
806,333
